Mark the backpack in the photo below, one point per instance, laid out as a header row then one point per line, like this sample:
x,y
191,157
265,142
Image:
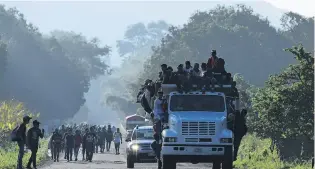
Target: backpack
x,y
14,134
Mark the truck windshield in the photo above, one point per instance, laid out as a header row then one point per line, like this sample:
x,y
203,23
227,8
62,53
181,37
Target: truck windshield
x,y
210,103
143,134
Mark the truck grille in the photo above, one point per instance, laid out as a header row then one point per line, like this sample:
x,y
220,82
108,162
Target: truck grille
x,y
145,146
198,128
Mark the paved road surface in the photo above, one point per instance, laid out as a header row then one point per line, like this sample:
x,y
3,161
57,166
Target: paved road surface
x,y
109,160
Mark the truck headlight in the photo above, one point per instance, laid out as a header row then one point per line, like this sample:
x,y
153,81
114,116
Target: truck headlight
x,y
170,139
135,147
226,140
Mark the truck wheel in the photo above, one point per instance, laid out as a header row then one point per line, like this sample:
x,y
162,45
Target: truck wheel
x,y
168,163
227,163
130,163
216,165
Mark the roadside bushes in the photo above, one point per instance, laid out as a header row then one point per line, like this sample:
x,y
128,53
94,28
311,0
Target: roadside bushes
x,y
256,153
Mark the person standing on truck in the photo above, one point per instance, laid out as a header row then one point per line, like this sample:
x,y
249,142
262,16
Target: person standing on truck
x,y
109,137
212,60
56,140
77,144
158,112
33,136
117,140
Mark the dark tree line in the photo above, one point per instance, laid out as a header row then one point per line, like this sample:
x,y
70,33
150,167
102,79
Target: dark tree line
x,y
49,74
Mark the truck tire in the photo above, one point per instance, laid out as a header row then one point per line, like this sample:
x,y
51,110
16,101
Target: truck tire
x,y
216,165
227,163
130,163
168,163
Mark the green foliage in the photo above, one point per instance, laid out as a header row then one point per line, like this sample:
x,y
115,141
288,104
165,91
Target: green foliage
x,y
11,115
286,104
255,153
49,74
8,158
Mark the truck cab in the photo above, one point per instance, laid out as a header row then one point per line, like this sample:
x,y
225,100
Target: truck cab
x,y
197,128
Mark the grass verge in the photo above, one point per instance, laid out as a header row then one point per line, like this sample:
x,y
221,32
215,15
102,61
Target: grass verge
x,y
8,158
258,155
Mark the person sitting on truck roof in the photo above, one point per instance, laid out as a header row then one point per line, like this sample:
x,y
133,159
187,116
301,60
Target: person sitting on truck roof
x,y
203,69
167,75
195,71
163,68
219,66
213,59
188,67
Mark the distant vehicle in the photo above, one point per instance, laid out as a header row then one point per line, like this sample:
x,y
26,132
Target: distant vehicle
x,y
133,121
138,148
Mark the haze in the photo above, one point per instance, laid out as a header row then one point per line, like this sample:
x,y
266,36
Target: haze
x,y
108,20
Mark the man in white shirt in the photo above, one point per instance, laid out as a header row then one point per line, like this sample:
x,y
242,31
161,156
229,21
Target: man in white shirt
x,y
117,140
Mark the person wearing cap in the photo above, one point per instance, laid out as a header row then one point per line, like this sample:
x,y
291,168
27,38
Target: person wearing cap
x,y
21,132
33,136
212,60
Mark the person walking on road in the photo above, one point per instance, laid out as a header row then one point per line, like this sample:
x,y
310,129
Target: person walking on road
x,y
56,141
84,144
117,140
109,137
69,144
89,143
102,139
77,144
20,132
33,136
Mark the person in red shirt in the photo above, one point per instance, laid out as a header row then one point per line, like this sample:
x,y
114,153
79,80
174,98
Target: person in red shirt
x,y
212,60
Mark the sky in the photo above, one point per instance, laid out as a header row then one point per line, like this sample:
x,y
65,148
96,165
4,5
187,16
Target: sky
x,y
108,20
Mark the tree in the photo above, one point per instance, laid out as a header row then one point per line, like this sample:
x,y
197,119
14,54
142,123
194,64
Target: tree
x,y
139,36
136,49
244,39
298,29
286,104
48,74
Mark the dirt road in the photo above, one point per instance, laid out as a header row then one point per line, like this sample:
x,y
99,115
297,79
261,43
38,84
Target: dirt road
x,y
109,160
